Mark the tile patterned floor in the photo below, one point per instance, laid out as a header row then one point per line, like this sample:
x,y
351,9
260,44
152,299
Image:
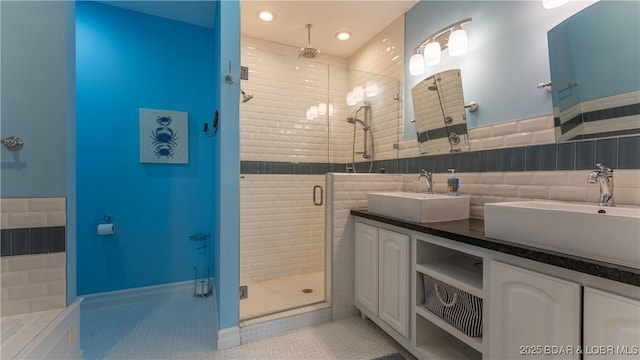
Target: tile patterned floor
x,y
180,327
274,295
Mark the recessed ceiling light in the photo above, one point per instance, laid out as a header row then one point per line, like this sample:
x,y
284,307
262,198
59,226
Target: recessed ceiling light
x,y
266,15
343,35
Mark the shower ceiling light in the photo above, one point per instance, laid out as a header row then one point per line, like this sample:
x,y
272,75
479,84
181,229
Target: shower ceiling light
x,y
266,15
550,4
429,50
343,35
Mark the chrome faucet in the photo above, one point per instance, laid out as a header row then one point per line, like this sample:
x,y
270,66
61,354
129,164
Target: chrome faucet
x,y
603,176
428,175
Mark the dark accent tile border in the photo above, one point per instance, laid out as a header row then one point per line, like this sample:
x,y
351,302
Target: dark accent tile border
x,y
30,241
471,231
603,114
616,153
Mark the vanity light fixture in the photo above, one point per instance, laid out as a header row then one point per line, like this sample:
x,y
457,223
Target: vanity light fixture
x,y
266,15
343,35
321,110
429,51
359,92
550,4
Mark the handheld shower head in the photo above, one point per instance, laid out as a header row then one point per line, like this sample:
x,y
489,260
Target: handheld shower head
x,y
354,120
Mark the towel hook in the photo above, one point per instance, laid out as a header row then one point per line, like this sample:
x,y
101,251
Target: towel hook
x,y
12,143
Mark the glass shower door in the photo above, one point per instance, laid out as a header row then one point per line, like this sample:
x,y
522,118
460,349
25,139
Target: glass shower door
x,y
284,157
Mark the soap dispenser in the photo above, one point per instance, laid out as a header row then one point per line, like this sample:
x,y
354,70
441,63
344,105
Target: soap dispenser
x,y
453,184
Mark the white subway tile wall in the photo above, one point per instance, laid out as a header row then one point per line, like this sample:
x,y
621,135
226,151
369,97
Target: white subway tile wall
x,y
32,212
282,232
532,131
32,283
383,55
533,185
36,282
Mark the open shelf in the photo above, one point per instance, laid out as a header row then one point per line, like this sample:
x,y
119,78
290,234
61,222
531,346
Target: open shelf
x,y
474,342
436,343
460,271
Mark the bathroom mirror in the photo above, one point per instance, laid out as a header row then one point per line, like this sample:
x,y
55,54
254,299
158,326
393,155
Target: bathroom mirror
x,y
440,119
595,72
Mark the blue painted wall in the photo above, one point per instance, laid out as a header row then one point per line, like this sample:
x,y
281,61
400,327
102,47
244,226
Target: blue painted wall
x,y
126,61
35,98
602,57
507,56
227,197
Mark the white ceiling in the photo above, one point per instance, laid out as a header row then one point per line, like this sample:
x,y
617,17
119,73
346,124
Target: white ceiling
x,y
363,18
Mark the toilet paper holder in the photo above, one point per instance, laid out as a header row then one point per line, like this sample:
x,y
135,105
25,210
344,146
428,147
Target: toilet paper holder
x,y
105,226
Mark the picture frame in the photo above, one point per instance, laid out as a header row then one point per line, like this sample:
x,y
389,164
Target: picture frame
x,y
164,136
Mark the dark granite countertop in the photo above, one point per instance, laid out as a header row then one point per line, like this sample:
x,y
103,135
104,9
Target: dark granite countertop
x,y
471,231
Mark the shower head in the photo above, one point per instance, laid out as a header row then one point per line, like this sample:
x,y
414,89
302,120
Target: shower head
x,y
308,52
245,97
354,120
433,87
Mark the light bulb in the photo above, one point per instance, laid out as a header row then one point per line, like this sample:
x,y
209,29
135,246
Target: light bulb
x,y
432,53
550,4
322,109
371,88
358,93
458,42
416,64
313,111
266,15
309,117
350,100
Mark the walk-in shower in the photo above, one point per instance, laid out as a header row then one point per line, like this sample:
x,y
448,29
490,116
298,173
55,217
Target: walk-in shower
x,y
367,136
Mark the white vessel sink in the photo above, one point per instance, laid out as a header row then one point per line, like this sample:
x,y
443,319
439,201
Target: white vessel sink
x,y
610,234
419,207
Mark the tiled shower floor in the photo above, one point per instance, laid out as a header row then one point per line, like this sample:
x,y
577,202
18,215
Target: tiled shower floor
x,y
181,327
280,294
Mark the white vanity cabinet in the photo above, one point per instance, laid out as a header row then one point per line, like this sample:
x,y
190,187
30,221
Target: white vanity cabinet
x,y
611,325
382,275
530,313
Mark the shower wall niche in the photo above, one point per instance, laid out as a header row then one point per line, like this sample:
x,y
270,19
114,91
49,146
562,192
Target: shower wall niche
x,y
285,155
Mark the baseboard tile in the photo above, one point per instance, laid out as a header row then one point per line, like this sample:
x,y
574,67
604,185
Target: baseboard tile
x,y
228,338
92,301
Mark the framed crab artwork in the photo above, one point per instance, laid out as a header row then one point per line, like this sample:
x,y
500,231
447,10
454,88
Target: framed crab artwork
x,y
164,136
